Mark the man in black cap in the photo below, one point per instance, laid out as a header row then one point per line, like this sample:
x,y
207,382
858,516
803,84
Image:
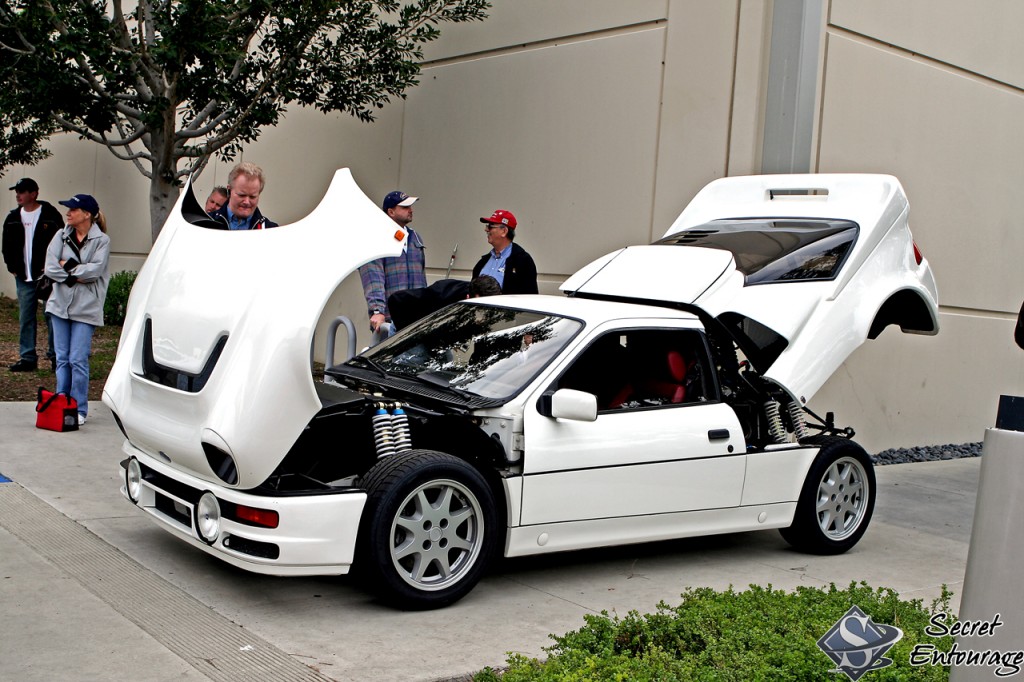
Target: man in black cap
x,y
28,230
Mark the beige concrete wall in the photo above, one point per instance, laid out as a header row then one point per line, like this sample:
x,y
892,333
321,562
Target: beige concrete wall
x,y
596,121
933,92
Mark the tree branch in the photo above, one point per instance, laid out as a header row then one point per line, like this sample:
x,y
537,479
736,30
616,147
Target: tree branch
x,y
112,145
142,86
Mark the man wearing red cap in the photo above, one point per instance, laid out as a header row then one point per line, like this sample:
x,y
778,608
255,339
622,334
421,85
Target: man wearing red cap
x,y
28,230
506,262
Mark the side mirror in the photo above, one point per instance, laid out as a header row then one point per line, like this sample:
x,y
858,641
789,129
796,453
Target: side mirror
x,y
567,403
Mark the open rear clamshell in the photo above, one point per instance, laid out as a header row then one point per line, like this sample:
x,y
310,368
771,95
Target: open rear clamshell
x,y
801,268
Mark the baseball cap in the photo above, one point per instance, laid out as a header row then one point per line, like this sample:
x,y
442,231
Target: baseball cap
x,y
501,217
25,185
397,198
82,201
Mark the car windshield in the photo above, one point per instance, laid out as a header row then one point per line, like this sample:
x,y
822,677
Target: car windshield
x,y
768,250
489,351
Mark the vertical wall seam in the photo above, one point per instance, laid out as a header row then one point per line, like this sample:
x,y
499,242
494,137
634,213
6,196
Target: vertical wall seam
x,y
732,90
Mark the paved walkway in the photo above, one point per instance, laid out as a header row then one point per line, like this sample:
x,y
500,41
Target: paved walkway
x,y
92,590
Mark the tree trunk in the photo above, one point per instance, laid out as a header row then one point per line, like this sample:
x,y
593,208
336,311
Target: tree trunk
x,y
163,192
162,196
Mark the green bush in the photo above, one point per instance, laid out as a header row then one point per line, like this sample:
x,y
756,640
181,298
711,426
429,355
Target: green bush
x,y
758,634
118,291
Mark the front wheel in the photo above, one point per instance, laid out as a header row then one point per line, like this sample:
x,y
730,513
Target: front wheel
x,y
429,529
837,498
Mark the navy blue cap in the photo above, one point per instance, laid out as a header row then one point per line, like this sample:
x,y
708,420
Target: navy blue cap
x,y
397,198
82,201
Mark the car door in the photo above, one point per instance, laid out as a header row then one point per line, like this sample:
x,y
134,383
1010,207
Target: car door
x,y
661,443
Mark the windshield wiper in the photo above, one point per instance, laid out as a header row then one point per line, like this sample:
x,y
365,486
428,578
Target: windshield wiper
x,y
435,378
367,362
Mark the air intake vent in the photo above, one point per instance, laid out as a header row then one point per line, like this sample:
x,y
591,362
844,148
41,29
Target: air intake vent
x,y
797,192
221,463
168,376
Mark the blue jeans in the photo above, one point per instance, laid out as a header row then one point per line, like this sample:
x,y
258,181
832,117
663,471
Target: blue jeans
x,y
27,319
73,343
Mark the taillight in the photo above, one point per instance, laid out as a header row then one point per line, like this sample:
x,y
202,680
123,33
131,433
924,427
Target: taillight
x,y
257,517
918,256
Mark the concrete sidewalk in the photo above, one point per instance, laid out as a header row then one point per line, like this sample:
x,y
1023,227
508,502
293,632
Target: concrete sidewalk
x,y
92,590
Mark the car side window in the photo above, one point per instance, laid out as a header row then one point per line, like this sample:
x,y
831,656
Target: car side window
x,y
641,368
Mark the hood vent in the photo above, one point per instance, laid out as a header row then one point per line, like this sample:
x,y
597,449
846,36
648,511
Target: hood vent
x,y
174,378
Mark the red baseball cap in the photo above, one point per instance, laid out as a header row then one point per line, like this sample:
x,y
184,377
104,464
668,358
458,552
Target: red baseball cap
x,y
501,217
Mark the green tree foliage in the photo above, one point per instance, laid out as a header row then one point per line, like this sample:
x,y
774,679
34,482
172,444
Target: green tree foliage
x,y
166,84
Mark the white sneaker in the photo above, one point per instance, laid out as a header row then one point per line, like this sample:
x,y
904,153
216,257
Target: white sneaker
x,y
81,418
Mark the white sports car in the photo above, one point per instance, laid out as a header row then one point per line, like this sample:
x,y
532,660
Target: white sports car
x,y
663,396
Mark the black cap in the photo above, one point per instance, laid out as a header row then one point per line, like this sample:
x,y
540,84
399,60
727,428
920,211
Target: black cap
x,y
26,185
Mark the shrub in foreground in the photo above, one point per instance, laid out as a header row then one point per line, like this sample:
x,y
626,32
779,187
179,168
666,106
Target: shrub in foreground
x,y
757,634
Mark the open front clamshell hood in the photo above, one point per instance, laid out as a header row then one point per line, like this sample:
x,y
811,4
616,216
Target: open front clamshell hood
x,y
216,344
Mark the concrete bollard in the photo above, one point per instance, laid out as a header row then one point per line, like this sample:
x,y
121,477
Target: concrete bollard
x,y
992,604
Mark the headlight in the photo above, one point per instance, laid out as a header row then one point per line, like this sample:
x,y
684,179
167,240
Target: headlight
x,y
133,479
208,517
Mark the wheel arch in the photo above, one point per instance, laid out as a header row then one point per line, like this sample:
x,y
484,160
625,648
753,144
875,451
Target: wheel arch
x,y
432,558
490,475
495,481
907,309
806,533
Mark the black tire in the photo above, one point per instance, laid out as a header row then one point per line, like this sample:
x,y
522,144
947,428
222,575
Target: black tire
x,y
837,498
428,531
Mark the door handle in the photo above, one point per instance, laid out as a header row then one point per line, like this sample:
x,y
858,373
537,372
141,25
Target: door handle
x,y
718,434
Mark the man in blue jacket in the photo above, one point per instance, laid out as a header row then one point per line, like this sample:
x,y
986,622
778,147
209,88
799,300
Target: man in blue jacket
x,y
28,230
245,185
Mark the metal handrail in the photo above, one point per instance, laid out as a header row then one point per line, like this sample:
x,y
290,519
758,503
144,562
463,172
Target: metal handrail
x,y
332,331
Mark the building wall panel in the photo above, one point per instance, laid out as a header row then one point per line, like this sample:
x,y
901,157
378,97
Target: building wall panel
x,y
982,37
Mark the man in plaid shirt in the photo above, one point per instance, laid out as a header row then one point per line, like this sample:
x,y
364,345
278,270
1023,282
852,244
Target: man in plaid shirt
x,y
385,276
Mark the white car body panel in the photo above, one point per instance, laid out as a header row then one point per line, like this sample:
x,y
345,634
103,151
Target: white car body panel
x,y
562,537
265,289
670,465
776,474
819,318
317,534
653,273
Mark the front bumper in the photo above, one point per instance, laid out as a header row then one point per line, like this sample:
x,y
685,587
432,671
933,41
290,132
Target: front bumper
x,y
316,533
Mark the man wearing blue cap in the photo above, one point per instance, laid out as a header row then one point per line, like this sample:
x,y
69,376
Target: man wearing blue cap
x,y
28,230
385,276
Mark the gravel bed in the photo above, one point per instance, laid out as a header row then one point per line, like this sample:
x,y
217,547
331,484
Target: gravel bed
x,y
927,453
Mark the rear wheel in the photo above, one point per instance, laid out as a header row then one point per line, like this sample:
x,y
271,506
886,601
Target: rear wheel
x,y
837,498
429,529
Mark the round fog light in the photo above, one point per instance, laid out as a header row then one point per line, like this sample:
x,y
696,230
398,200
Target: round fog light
x,y
208,517
133,480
